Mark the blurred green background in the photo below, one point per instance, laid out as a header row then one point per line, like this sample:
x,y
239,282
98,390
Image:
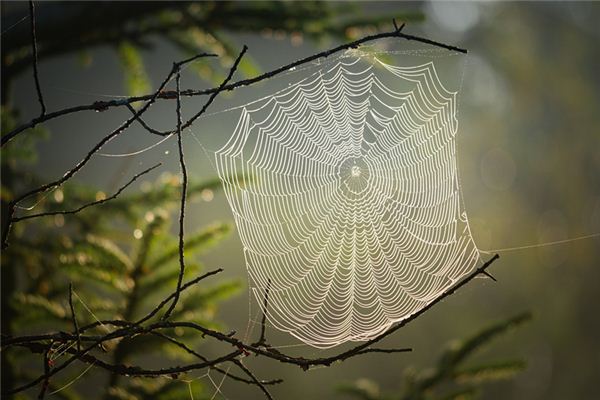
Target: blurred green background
x,y
528,148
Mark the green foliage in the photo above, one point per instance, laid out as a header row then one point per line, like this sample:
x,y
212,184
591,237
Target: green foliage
x,y
23,150
116,274
449,379
136,78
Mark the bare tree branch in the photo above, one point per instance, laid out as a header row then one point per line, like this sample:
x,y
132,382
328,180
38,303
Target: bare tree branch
x,y
129,329
36,76
254,378
188,350
183,168
385,351
104,105
184,183
46,382
94,203
144,125
172,295
74,317
262,340
121,369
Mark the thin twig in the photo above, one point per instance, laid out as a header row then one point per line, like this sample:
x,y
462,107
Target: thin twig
x,y
36,77
194,58
144,124
222,87
104,105
122,369
184,178
74,317
60,337
78,355
489,276
93,203
262,341
184,183
46,382
253,377
160,305
188,350
396,25
385,351
63,336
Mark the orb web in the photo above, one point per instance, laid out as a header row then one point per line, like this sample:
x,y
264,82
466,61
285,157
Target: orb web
x,y
351,215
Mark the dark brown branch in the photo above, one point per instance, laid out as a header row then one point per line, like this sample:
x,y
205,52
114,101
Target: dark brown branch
x,y
181,63
190,351
33,342
119,369
131,329
489,276
69,174
253,377
56,337
325,361
129,370
77,355
104,105
35,345
94,203
184,183
74,317
183,168
36,76
160,305
145,125
63,336
223,86
385,351
46,382
262,341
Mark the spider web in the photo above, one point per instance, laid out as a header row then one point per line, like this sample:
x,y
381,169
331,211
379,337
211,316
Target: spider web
x,y
350,212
